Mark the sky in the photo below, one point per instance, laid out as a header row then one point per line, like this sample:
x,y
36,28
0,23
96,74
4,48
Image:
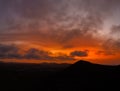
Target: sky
x,y
61,31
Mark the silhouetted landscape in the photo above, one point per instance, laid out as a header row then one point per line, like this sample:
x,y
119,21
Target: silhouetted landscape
x,y
59,45
80,76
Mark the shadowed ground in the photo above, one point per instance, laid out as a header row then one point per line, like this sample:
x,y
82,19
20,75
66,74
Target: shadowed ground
x,y
80,76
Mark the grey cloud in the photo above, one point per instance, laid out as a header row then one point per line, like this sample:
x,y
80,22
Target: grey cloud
x,y
50,10
34,9
64,57
65,19
63,36
115,30
84,26
79,53
111,46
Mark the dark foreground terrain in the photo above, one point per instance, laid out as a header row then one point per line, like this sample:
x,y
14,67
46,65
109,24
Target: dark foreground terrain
x,y
80,76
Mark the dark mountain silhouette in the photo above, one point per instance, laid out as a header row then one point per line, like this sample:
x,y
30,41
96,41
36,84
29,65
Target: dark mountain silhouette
x,y
80,76
85,66
84,75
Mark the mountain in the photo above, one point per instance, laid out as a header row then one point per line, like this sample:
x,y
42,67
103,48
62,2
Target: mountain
x,y
84,75
86,67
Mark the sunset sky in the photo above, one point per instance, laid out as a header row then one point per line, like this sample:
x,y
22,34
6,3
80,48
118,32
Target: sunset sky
x,y
61,31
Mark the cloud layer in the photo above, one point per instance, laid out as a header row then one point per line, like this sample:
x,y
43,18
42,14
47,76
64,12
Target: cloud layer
x,y
13,52
79,53
61,25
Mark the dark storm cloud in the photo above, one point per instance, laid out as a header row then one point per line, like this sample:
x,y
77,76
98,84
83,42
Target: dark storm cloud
x,y
79,53
9,51
45,55
37,54
64,57
13,52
